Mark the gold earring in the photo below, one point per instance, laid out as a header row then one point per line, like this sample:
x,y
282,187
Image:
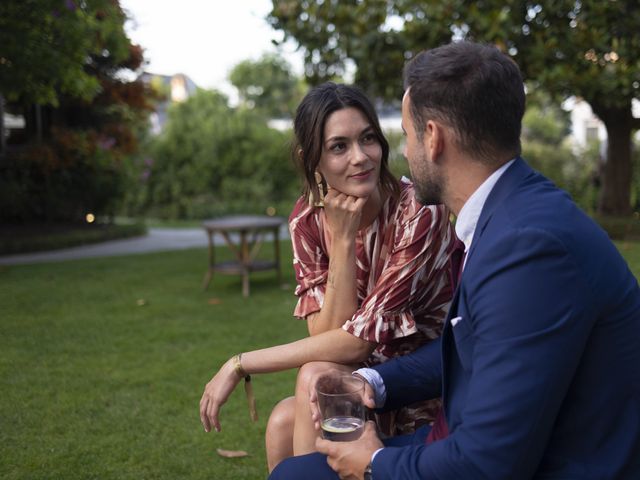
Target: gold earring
x,y
319,181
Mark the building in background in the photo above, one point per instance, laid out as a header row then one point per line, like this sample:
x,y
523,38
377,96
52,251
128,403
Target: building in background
x,y
170,89
586,127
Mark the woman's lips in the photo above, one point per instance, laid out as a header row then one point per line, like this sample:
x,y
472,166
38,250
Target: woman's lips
x,y
361,175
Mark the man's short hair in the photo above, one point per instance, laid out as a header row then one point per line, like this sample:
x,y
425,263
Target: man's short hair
x,y
473,88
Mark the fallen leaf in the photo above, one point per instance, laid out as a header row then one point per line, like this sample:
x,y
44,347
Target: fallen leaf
x,y
215,301
231,453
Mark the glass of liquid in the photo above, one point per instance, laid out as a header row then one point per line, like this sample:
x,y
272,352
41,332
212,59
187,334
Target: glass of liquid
x,y
341,407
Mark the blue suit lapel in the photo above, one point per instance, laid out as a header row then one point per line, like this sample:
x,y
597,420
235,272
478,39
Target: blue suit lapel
x,y
447,343
509,180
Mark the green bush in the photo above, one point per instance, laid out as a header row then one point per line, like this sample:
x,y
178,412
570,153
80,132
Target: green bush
x,y
60,180
575,173
213,159
397,163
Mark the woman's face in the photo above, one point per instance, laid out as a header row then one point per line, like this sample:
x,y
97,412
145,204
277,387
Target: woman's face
x,y
351,153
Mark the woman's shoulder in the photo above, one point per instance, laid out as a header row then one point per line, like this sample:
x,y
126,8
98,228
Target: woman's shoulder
x,y
407,190
303,216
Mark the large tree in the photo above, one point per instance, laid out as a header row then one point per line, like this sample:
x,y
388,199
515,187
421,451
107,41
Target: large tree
x,y
61,66
46,44
268,85
586,48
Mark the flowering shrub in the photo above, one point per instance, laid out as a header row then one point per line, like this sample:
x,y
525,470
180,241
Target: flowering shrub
x,y
73,173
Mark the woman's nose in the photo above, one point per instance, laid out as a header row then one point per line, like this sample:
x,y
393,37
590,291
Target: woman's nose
x,y
359,154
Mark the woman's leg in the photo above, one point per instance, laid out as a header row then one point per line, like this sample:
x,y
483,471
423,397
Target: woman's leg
x,y
279,434
304,432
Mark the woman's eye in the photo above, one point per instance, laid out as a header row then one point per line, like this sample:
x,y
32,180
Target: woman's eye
x,y
369,138
337,147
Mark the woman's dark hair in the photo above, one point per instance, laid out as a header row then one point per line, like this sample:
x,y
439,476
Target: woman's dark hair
x,y
473,88
311,116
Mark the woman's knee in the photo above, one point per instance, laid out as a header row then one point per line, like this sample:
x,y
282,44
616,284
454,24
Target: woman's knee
x,y
309,372
282,416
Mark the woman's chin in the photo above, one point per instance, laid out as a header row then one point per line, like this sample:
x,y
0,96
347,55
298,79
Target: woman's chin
x,y
361,191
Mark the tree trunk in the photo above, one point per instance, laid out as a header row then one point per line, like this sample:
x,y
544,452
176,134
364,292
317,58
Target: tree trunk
x,y
615,196
38,116
36,123
3,140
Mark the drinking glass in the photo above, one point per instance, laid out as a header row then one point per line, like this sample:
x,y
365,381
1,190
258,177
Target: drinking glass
x,y
341,407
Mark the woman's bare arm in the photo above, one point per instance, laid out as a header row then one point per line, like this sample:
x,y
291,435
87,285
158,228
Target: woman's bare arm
x,y
343,215
333,346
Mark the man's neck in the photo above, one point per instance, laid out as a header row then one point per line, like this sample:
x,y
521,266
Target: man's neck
x,y
471,210
464,178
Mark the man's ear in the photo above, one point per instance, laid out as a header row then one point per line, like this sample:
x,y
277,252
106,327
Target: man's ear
x,y
434,139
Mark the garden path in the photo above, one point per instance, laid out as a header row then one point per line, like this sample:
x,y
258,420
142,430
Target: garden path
x,y
157,239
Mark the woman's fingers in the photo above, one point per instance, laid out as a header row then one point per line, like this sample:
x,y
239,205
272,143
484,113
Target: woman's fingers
x,y
203,412
337,199
216,393
360,202
343,212
206,404
212,414
209,410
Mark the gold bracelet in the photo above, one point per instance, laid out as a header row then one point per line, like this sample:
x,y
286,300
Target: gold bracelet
x,y
248,389
237,366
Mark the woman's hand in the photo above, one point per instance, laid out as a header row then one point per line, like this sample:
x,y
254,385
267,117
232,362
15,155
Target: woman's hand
x,y
216,393
343,213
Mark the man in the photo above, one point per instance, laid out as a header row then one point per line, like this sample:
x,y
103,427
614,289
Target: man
x,y
539,366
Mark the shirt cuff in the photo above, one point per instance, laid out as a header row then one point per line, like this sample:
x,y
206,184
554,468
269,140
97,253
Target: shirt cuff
x,y
374,379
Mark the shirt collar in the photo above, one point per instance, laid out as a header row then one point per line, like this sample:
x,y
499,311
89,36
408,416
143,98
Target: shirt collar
x,y
470,212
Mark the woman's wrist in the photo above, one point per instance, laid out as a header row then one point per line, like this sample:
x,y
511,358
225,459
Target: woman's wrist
x,y
345,241
236,363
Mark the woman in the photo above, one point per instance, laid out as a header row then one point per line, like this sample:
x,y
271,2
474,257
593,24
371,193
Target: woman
x,y
372,266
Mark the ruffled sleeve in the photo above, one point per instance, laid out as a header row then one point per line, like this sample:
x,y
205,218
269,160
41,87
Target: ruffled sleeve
x,y
414,280
310,260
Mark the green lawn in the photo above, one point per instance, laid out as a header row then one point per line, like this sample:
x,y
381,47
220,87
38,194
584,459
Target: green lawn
x,y
94,385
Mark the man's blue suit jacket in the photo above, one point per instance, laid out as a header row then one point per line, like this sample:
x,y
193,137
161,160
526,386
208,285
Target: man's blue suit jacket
x,y
540,376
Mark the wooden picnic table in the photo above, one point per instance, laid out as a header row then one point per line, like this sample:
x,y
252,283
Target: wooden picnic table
x,y
249,231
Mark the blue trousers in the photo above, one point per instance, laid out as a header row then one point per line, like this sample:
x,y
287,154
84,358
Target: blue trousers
x,y
314,466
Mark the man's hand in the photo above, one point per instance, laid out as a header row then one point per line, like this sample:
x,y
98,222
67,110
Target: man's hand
x,y
349,459
368,399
